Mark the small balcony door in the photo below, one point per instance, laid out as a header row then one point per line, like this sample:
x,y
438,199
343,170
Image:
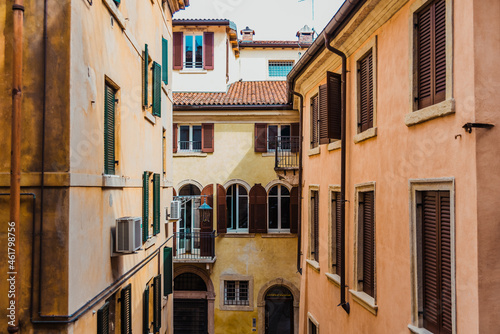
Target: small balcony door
x,y
189,224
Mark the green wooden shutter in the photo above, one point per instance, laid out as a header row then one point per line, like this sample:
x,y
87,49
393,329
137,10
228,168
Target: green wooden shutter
x,y
167,271
164,61
157,303
145,311
156,204
156,89
109,130
103,319
145,206
145,63
126,310
117,2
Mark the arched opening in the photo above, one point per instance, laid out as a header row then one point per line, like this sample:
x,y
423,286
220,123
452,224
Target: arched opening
x,y
279,311
190,304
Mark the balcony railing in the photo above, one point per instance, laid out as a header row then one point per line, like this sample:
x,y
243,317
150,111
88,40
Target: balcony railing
x,y
190,146
286,152
194,247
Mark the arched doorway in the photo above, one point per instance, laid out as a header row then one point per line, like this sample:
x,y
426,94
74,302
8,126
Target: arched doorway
x,y
191,309
279,310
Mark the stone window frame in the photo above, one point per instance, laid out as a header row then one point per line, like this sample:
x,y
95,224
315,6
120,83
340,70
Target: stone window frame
x,y
446,107
371,45
310,259
418,185
330,273
359,296
312,320
236,277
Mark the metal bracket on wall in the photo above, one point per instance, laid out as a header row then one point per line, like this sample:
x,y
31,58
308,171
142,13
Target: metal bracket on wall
x,y
468,126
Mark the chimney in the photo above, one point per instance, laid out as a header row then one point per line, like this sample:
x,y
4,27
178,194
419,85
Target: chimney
x,y
305,35
247,34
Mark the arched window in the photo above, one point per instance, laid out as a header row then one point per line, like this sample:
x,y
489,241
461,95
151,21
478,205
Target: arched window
x,y
189,282
237,208
279,209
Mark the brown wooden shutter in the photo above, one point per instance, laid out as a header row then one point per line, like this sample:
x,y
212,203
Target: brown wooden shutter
x,y
178,52
368,244
315,200
365,76
294,210
174,138
207,137
260,137
221,210
314,121
209,192
338,235
294,132
258,209
208,49
440,47
334,84
323,114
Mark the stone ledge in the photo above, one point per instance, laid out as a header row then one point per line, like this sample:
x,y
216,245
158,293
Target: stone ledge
x,y
363,299
149,117
190,154
334,278
437,110
314,151
334,145
367,134
418,330
313,264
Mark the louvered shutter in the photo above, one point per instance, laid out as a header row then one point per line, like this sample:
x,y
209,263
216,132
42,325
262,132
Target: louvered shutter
x,y
164,61
366,93
178,52
145,79
109,131
368,244
156,204
323,114
295,133
314,121
440,47
157,303
174,138
334,83
208,49
221,210
294,210
258,209
156,89
167,271
336,219
206,241
260,137
207,137
315,251
145,311
145,206
126,310
103,319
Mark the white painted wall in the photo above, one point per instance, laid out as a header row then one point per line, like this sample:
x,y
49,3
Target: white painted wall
x,y
254,62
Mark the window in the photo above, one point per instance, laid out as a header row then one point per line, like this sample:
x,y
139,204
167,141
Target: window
x,y
312,324
314,121
267,136
274,134
280,68
336,241
365,87
314,226
366,243
148,199
103,317
279,209
164,61
157,300
193,51
109,130
237,208
190,138
329,109
126,310
153,81
312,328
236,293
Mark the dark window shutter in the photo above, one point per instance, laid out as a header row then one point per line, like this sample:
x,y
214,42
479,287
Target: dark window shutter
x,y
258,209
315,245
365,93
260,137
436,252
208,49
440,47
164,61
208,191
157,303
103,319
368,243
156,89
207,136
221,210
323,114
174,138
126,310
145,311
156,204
145,206
294,210
145,72
294,132
178,52
167,271
338,235
314,121
109,131
334,83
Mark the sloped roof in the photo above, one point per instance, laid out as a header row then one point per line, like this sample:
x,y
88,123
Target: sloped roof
x,y
239,93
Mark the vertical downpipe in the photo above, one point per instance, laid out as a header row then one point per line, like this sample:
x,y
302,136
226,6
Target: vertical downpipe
x,y
299,227
15,161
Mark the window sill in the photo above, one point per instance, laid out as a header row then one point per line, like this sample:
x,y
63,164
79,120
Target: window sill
x,y
268,154
438,110
334,145
367,134
112,181
314,151
334,278
150,242
363,299
418,330
279,235
149,117
313,264
239,235
115,12
247,308
194,71
190,154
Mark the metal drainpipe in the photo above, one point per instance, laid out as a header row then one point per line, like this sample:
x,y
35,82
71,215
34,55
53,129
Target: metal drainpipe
x,y
15,165
343,302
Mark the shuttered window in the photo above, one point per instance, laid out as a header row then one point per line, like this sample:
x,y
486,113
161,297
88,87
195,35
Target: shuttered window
x,y
164,60
431,54
103,319
157,303
156,204
156,89
178,53
314,121
208,46
279,208
368,242
109,130
126,310
258,209
365,86
260,137
294,210
207,138
314,240
336,236
221,209
330,108
237,208
145,206
145,76
145,311
436,261
167,270
174,138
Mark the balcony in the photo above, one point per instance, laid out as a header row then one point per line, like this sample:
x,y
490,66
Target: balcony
x,y
189,146
194,247
286,150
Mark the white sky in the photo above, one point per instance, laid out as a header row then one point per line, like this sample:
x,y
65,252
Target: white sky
x,y
271,19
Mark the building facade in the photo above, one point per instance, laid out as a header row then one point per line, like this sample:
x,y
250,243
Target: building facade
x,y
421,168
96,124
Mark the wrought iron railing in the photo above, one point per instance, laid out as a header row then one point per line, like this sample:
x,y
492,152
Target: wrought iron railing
x,y
286,151
190,146
193,64
194,245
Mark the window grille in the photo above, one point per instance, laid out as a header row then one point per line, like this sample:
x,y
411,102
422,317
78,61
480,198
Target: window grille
x,y
280,68
236,293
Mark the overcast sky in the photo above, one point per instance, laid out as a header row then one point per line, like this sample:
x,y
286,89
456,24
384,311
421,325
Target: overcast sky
x,y
271,19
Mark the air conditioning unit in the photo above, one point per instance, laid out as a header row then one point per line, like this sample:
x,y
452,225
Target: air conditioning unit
x,y
175,210
128,234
